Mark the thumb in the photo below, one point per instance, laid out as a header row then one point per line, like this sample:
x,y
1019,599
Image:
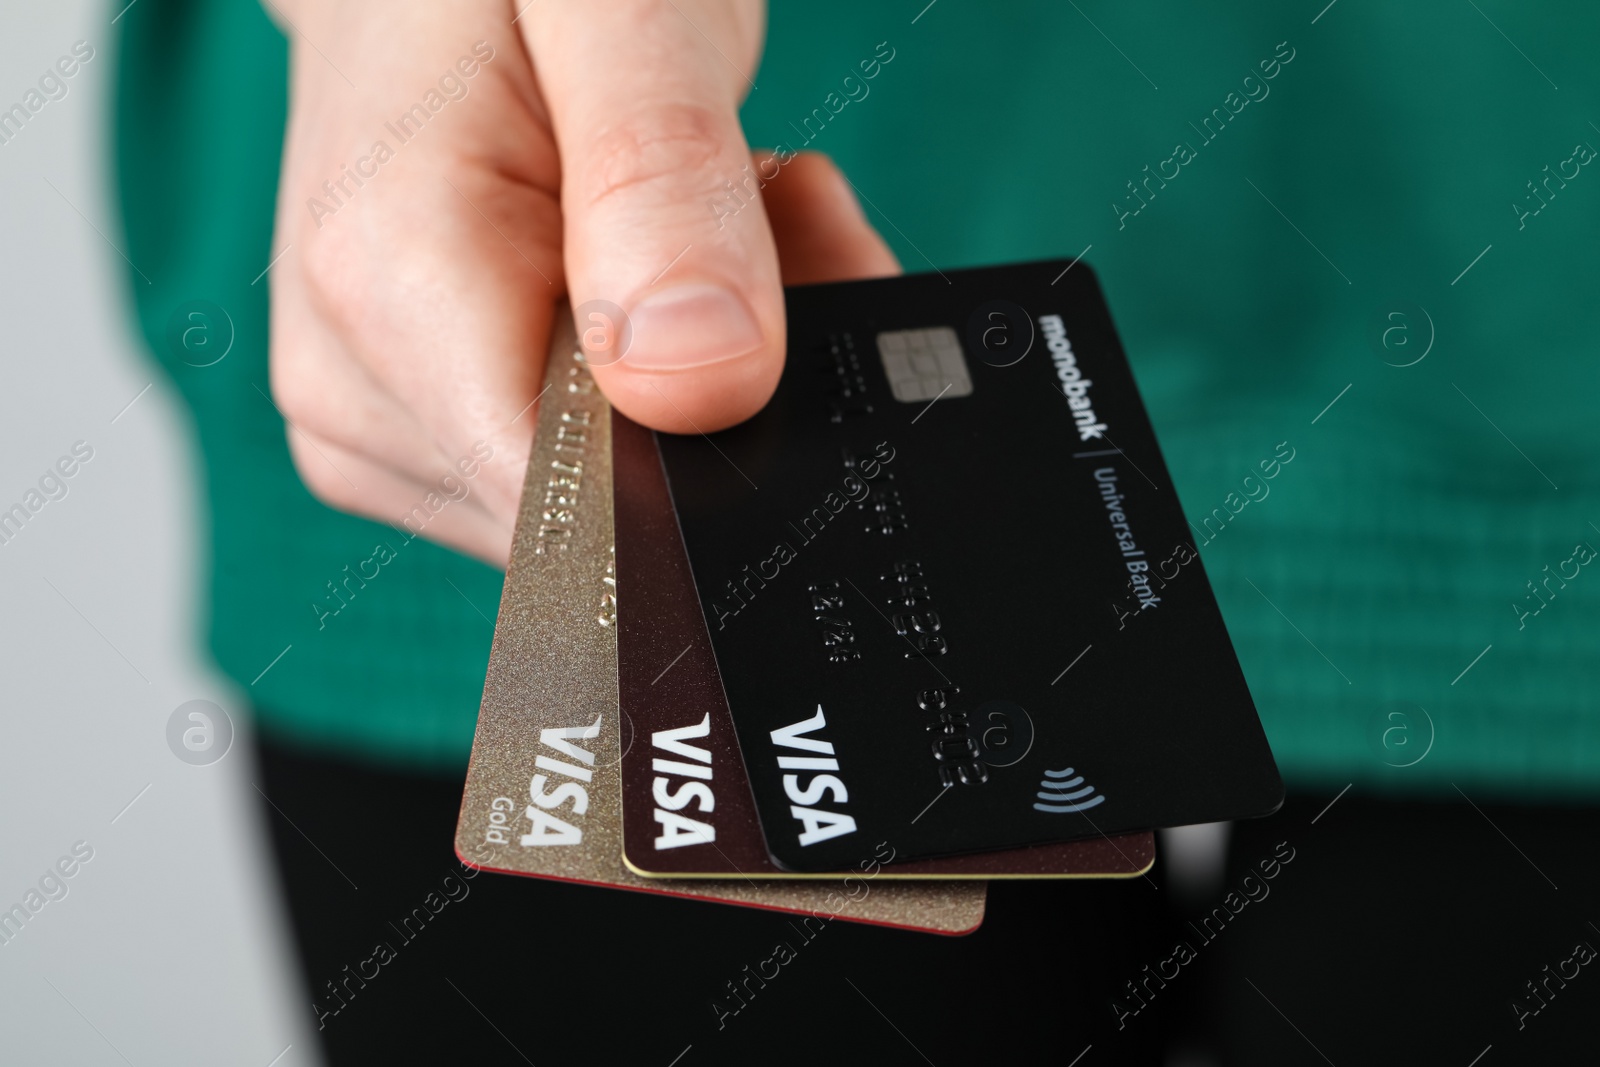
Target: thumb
x,y
650,149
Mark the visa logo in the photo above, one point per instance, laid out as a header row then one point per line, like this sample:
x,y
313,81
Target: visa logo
x,y
817,824
1073,384
548,828
678,830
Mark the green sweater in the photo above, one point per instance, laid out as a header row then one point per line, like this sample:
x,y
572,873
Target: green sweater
x,y
1282,206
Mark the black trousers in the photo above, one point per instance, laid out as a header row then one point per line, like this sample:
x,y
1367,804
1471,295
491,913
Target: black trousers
x,y
1386,933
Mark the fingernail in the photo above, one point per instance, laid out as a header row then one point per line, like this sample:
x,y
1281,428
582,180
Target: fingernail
x,y
690,326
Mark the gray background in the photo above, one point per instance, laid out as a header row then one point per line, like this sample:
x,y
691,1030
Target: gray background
x,y
168,948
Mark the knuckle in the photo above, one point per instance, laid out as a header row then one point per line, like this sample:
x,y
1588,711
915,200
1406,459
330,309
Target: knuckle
x,y
301,398
320,479
332,266
671,145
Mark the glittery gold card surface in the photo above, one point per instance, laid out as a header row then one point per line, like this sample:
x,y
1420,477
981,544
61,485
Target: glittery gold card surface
x,y
544,793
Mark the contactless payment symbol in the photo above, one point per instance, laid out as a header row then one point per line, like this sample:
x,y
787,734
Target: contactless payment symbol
x,y
1061,789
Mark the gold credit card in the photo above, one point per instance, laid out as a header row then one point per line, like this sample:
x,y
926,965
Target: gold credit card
x,y
544,788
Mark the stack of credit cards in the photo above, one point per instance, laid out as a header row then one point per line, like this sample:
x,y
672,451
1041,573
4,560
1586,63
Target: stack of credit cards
x,y
932,617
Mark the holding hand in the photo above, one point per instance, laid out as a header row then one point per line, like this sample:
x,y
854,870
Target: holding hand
x,y
453,170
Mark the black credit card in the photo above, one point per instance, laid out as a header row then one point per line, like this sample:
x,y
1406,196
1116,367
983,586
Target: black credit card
x,y
952,594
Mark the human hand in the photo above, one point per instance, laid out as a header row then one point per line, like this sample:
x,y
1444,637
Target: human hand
x,y
453,170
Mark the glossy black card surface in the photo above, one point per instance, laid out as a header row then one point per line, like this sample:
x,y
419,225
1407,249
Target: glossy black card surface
x,y
954,600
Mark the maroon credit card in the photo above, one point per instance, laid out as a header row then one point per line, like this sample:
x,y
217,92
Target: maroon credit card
x,y
687,809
